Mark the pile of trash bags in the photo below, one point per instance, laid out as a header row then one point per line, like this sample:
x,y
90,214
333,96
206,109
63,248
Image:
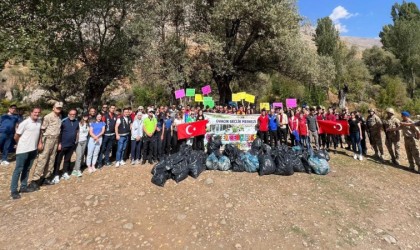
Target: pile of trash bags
x,y
187,162
261,158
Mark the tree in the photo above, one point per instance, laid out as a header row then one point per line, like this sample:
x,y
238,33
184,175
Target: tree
x,y
326,37
380,63
81,45
402,38
242,36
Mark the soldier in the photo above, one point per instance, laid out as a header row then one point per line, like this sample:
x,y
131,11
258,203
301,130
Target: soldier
x,y
374,126
50,131
411,135
392,135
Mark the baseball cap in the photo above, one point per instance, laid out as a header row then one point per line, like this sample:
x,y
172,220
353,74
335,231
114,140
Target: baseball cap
x,y
58,105
405,113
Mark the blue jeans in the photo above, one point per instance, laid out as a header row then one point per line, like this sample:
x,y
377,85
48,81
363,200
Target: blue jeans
x,y
135,150
355,142
24,163
93,151
5,142
122,145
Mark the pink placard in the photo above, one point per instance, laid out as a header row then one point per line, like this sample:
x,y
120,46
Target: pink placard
x,y
206,90
291,103
180,93
277,105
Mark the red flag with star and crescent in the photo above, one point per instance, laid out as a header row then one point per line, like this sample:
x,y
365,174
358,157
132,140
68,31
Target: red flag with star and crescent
x,y
188,130
333,127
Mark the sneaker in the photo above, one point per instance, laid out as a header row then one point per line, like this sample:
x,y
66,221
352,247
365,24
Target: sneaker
x,y
77,173
93,169
143,162
117,164
108,164
361,157
34,185
65,176
28,189
15,195
122,163
355,157
137,162
5,163
133,162
56,179
47,182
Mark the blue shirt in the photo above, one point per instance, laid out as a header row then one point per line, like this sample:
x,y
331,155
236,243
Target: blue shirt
x,y
97,127
168,123
272,122
69,129
8,123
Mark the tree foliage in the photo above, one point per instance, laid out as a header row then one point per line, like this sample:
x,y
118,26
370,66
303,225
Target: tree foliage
x,y
326,37
402,38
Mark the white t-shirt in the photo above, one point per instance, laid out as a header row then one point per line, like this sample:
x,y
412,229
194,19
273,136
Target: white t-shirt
x,y
83,132
29,135
177,122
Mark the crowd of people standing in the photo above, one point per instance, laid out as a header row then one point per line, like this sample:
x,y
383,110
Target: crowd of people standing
x,y
147,135
301,125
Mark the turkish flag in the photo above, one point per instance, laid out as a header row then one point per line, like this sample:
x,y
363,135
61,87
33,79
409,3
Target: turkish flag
x,y
333,127
188,130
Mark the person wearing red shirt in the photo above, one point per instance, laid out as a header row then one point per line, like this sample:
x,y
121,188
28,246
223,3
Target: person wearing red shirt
x,y
293,127
331,139
262,124
303,131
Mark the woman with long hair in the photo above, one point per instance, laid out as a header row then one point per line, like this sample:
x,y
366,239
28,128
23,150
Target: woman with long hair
x,y
199,140
81,144
356,136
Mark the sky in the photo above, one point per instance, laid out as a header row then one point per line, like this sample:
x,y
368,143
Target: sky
x,y
359,18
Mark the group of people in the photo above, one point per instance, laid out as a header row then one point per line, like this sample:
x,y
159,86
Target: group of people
x,y
149,134
301,125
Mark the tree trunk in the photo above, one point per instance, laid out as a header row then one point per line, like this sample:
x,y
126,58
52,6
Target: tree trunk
x,y
223,86
413,84
93,92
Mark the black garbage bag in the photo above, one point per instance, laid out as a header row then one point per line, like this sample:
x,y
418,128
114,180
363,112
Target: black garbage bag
x,y
224,163
267,165
231,152
266,149
196,168
251,162
160,179
185,149
256,147
238,164
296,162
213,146
212,162
323,154
283,165
304,159
180,172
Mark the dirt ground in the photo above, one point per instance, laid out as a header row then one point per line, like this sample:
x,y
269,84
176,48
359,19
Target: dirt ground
x,y
359,205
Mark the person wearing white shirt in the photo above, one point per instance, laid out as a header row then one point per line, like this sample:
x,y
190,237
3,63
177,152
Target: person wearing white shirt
x,y
282,128
27,139
81,144
136,136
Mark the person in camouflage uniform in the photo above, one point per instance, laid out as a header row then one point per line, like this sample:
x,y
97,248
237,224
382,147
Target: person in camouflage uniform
x,y
392,134
411,135
374,127
50,129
